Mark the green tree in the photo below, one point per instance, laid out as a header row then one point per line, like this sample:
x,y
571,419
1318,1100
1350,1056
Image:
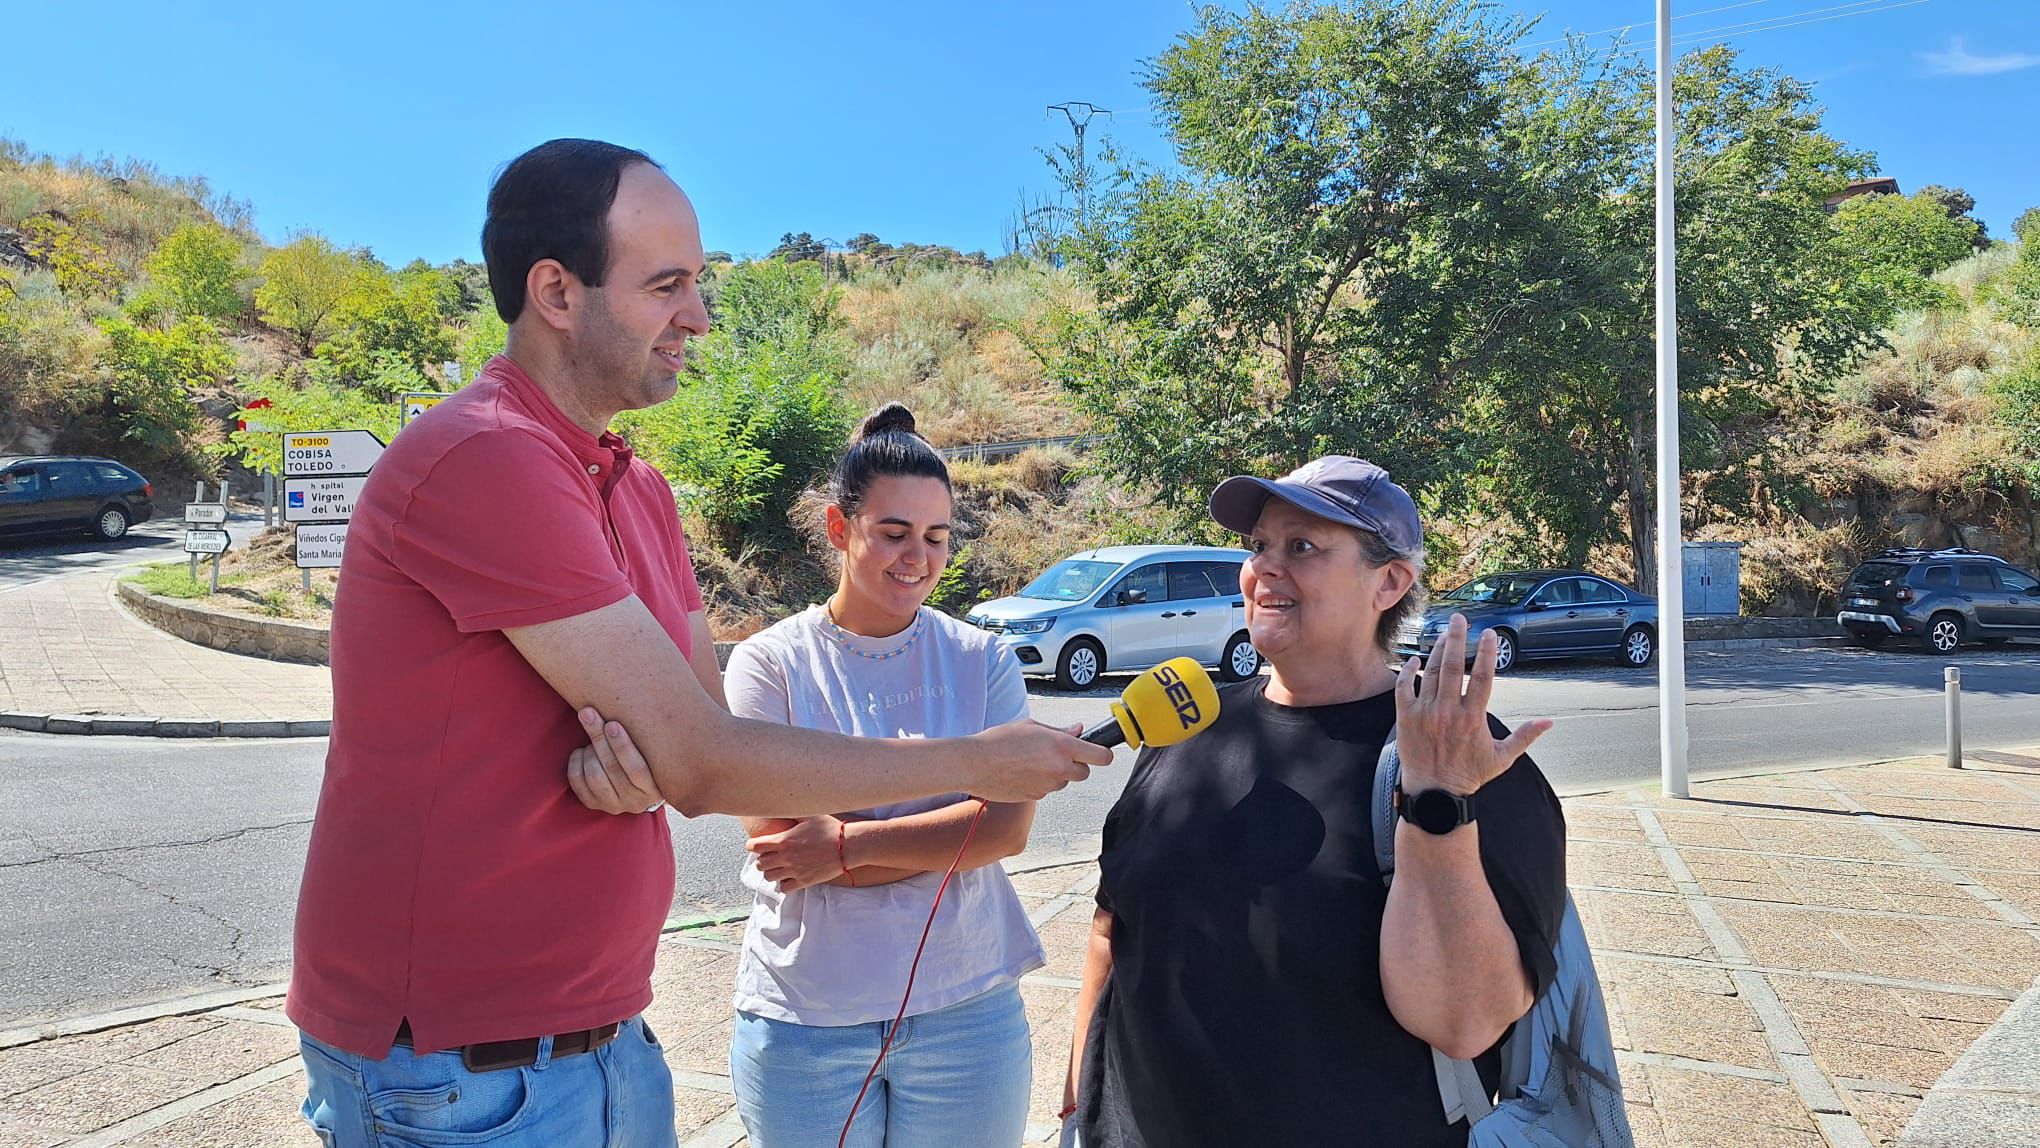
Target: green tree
x,y
1322,153
2017,392
402,314
1959,205
82,267
2015,295
155,375
1899,241
1769,304
760,414
198,270
303,284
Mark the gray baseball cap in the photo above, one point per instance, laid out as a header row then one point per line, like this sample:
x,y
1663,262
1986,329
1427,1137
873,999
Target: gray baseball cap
x,y
1338,487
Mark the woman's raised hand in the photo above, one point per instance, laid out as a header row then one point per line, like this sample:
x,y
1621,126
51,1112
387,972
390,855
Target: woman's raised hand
x,y
1442,730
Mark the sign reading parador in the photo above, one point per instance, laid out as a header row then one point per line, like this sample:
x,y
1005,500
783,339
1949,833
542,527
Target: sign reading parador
x,y
319,547
321,454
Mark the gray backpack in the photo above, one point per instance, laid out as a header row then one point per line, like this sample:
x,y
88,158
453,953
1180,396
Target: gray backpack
x,y
1559,1086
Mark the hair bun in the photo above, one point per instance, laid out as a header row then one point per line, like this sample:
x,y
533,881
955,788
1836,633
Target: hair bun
x,y
891,417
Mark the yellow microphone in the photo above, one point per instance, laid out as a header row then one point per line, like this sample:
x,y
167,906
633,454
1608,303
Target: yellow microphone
x,y
1163,706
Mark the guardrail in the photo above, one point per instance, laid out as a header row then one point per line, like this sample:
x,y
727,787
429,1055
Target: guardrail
x,y
979,452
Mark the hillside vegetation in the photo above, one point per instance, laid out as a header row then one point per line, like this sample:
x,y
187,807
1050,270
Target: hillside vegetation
x,y
1449,272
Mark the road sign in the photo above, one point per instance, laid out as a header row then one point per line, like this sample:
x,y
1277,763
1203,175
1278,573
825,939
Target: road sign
x,y
316,454
418,403
319,547
208,513
321,499
205,541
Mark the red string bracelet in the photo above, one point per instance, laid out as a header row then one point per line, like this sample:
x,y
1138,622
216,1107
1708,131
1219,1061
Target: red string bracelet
x,y
840,859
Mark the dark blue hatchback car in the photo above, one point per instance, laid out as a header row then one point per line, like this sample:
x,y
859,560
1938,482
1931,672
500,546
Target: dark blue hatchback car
x,y
1543,614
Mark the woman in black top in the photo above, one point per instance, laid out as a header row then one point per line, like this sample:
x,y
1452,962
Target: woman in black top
x,y
1249,979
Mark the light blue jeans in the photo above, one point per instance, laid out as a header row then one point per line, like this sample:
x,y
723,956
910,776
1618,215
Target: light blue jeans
x,y
619,1096
957,1077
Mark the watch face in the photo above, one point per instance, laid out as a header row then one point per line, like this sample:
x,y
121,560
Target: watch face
x,y
1434,811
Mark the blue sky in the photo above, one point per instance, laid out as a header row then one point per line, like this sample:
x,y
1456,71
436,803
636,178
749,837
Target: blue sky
x,y
380,123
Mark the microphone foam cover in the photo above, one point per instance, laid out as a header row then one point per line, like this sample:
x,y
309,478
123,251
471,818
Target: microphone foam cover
x,y
1174,701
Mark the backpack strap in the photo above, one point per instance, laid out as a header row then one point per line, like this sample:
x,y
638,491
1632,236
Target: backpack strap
x,y
1387,770
1459,1085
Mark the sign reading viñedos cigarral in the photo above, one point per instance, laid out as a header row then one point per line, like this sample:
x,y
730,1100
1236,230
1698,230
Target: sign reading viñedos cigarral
x,y
320,547
324,454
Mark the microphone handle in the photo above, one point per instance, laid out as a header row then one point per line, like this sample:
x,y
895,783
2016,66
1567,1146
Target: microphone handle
x,y
1106,733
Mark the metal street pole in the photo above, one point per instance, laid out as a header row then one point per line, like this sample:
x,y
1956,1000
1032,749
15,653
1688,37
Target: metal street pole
x,y
1670,550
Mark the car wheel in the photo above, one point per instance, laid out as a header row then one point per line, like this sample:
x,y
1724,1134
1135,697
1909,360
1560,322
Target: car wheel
x,y
1505,651
1240,660
1944,634
1081,663
1639,646
112,523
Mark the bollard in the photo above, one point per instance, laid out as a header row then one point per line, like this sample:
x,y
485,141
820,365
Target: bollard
x,y
1953,676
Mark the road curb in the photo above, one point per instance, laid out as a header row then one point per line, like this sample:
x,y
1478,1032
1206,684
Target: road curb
x,y
126,725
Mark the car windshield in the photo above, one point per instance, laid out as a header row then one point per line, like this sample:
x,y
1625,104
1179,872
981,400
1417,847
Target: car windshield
x,y
1071,580
1501,589
1876,574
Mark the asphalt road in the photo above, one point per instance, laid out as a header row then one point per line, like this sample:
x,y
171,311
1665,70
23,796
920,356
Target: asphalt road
x,y
134,870
26,561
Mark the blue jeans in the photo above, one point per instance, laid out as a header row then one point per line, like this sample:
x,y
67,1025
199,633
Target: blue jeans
x,y
619,1096
955,1078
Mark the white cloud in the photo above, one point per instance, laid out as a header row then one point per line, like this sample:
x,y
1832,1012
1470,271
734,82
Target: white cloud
x,y
1958,60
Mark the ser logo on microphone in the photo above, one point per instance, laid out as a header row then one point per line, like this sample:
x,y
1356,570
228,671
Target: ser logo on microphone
x,y
1178,692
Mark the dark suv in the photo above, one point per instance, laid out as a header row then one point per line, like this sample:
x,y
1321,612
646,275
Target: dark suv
x,y
57,494
1940,598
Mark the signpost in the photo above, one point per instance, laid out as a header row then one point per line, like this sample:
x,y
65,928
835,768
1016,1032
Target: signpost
x,y
418,402
323,473
205,533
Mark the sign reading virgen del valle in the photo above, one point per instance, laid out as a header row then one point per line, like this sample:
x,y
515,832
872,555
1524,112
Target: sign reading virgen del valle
x,y
323,473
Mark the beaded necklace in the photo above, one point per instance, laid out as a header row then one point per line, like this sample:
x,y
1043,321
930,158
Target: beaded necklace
x,y
843,637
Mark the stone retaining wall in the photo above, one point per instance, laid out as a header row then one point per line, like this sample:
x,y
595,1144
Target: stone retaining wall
x,y
272,638
1724,629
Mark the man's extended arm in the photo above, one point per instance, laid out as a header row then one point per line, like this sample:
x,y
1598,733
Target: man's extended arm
x,y
621,662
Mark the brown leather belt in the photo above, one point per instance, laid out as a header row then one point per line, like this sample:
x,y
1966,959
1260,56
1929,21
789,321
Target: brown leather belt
x,y
498,1054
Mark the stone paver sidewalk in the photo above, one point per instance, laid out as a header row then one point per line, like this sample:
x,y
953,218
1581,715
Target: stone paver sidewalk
x,y
112,663
1791,961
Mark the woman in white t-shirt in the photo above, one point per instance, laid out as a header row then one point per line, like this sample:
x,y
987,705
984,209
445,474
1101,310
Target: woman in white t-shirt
x,y
840,901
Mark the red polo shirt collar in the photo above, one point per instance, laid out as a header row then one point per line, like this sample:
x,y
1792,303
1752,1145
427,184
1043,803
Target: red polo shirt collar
x,y
606,455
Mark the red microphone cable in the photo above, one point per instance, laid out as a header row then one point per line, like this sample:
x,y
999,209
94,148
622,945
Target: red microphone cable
x,y
911,970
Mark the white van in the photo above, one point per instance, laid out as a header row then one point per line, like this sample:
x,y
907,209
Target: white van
x,y
1126,608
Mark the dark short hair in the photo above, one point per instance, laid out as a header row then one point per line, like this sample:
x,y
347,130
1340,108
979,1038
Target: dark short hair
x,y
552,202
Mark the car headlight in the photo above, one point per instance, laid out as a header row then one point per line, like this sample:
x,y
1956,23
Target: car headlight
x,y
1032,626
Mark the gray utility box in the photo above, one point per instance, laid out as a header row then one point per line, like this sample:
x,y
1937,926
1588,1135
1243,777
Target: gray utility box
x,y
1713,579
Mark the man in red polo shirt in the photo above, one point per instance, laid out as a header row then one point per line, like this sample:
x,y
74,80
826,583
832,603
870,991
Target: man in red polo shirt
x,y
474,945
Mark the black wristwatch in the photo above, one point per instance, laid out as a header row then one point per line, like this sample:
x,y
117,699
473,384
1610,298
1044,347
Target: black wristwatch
x,y
1435,811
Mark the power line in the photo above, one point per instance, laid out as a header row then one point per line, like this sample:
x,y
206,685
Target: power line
x,y
1792,16
1730,31
1646,23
